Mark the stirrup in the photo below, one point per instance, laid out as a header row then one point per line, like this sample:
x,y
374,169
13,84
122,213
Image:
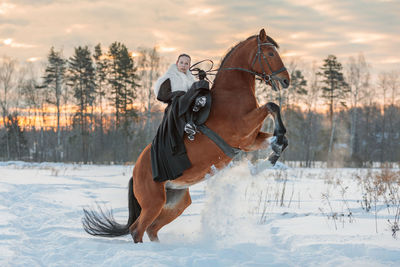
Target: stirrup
x,y
191,130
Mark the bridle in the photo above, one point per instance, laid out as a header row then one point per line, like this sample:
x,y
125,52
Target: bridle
x,y
267,78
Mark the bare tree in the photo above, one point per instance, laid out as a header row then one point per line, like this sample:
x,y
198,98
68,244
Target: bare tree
x,y
29,92
7,86
149,69
358,77
391,112
384,87
310,139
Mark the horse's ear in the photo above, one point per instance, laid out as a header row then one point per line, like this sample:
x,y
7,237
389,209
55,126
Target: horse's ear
x,y
263,35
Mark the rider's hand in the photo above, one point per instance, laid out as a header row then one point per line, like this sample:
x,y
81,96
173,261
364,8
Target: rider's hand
x,y
202,74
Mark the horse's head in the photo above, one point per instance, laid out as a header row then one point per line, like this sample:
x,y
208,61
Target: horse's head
x,y
267,63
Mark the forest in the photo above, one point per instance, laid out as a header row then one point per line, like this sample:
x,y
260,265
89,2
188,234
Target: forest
x,y
98,106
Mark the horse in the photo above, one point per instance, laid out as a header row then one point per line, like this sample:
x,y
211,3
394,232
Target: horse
x,y
235,116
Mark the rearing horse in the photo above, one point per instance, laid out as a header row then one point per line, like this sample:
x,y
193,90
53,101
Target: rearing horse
x,y
235,116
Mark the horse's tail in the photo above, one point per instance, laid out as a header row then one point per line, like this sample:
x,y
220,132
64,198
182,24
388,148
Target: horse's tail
x,y
102,223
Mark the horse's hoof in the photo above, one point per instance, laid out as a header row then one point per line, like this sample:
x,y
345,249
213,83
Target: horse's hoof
x,y
152,234
272,107
135,238
155,239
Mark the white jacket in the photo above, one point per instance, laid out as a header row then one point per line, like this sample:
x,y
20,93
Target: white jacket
x,y
179,80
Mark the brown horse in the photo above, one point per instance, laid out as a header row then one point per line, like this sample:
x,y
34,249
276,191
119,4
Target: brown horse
x,y
235,116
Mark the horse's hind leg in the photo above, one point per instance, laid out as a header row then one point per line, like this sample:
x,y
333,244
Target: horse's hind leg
x,y
150,195
177,201
152,202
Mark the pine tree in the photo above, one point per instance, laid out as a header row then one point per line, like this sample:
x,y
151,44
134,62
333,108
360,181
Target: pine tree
x,y
335,88
81,78
53,83
297,85
18,145
123,81
101,86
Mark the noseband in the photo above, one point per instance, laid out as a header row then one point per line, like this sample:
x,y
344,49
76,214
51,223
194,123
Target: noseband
x,y
267,78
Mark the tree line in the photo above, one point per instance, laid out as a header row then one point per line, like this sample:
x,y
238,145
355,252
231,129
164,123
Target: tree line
x,y
105,112
338,114
102,102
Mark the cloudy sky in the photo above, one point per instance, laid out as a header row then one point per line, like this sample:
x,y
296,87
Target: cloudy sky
x,y
305,29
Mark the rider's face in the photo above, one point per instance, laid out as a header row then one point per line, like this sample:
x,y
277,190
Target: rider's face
x,y
183,64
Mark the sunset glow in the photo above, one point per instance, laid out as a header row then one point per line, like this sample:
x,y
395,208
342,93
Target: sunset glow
x,y
7,41
33,59
164,49
200,11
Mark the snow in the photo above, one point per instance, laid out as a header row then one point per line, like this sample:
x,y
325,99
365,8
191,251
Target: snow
x,y
280,217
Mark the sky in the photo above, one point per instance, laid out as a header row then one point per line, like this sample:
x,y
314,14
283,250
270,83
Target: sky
x,y
306,30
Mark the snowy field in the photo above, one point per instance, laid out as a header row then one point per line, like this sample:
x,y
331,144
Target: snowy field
x,y
294,217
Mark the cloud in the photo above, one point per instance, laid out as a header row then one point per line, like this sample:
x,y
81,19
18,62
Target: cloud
x,y
6,8
75,27
310,29
366,37
35,2
11,43
201,11
15,22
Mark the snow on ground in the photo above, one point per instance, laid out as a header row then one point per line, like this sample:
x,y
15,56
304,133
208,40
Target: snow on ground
x,y
294,217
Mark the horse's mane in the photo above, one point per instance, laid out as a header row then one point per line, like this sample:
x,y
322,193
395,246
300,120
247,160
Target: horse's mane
x,y
238,44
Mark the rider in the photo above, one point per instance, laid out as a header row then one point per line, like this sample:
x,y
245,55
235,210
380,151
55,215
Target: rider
x,y
184,95
177,79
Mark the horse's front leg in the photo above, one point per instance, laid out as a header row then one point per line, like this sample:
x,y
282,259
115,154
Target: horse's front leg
x,y
250,126
252,121
255,118
254,139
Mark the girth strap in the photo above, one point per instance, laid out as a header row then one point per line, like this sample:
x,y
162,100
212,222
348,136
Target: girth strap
x,y
227,149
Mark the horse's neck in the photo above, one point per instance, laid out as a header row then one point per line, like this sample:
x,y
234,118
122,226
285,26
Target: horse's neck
x,y
235,88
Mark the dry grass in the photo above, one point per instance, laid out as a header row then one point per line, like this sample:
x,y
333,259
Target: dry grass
x,y
382,186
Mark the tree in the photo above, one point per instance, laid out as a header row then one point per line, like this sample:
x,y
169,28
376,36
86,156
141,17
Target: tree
x,y
81,78
16,138
358,77
123,81
149,67
7,86
297,86
101,86
311,127
29,91
388,83
54,84
335,88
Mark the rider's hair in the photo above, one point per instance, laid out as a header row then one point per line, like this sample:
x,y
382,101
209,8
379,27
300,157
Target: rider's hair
x,y
184,55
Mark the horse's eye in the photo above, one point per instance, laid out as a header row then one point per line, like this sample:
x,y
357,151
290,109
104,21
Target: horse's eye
x,y
270,54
